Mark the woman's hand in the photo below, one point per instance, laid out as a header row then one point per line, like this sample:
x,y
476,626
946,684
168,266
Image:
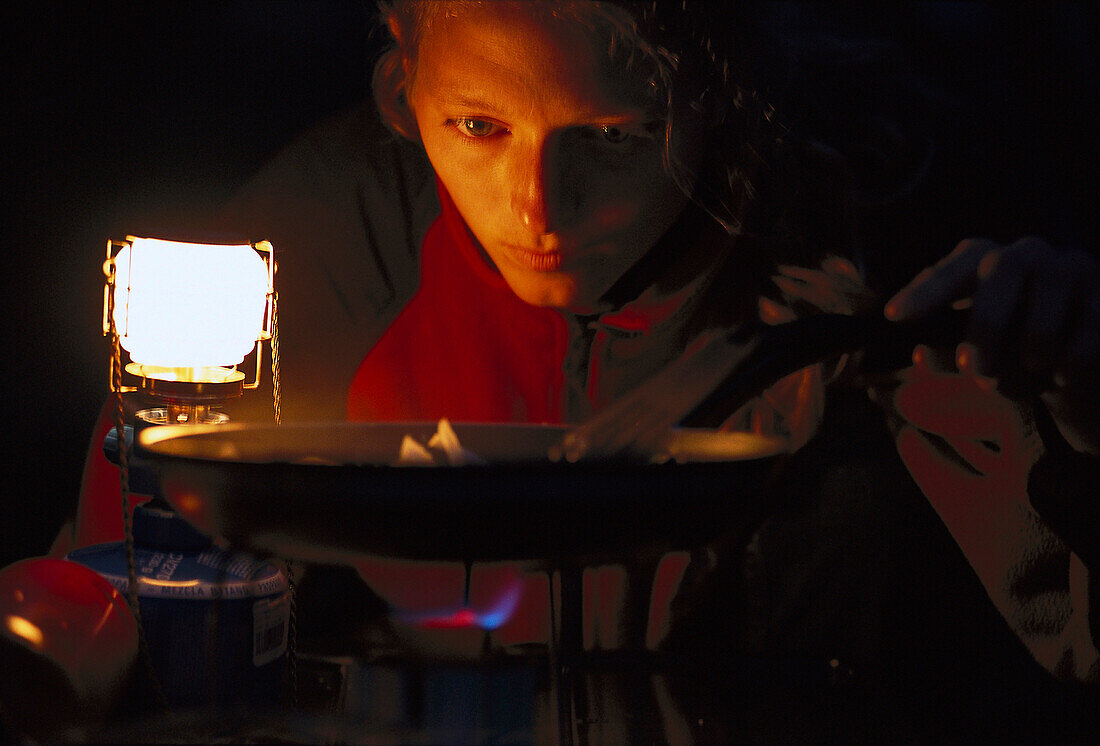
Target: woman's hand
x,y
1034,324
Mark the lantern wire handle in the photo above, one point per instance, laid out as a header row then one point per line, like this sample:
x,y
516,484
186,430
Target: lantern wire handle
x,y
292,629
128,525
275,393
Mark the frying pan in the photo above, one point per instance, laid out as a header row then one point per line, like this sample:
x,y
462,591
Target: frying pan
x,y
326,490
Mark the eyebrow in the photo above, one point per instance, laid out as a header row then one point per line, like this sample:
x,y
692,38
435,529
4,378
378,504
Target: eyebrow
x,y
625,115
466,101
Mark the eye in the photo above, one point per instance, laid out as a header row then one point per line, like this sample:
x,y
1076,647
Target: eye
x,y
615,135
620,139
475,128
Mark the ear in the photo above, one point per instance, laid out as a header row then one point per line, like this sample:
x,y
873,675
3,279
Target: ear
x,y
399,41
395,29
391,96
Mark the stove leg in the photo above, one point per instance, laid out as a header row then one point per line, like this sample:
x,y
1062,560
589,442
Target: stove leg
x,y
565,652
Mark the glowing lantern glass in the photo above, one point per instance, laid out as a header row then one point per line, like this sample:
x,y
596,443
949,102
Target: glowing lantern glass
x,y
180,305
188,314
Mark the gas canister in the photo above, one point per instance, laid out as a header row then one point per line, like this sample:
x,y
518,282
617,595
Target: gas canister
x,y
216,621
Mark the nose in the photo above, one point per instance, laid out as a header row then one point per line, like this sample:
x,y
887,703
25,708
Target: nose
x,y
531,207
539,194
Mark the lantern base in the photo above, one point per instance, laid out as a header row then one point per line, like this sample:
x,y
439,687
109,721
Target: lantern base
x,y
207,386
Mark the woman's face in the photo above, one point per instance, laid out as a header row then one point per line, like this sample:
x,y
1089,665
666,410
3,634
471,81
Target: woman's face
x,y
554,163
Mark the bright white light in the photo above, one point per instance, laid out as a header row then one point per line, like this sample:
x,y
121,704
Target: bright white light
x,y
185,305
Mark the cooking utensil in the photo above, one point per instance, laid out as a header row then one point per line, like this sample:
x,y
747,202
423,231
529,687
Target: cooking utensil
x,y
723,371
326,491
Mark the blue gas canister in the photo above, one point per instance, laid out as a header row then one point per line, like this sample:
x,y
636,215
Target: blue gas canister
x,y
216,621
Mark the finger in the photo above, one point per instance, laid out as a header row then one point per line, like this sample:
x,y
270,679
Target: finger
x,y
773,313
995,315
969,362
837,266
815,289
1031,316
952,278
1046,325
929,361
804,274
791,287
988,263
1078,368
836,288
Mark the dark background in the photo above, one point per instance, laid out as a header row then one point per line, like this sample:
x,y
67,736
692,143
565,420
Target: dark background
x,y
120,115
126,114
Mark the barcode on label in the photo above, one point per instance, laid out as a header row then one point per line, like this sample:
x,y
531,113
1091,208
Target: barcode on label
x,y
269,639
270,617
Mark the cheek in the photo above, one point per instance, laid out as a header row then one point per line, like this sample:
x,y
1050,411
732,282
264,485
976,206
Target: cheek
x,y
641,181
643,204
469,179
478,201
452,167
473,187
617,214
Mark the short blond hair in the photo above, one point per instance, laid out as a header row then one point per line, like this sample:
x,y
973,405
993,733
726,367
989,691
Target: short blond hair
x,y
683,75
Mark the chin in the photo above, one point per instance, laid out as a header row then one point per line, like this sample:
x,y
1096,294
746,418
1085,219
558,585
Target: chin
x,y
548,294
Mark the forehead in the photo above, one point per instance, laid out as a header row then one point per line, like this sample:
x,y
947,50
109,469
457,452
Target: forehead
x,y
518,54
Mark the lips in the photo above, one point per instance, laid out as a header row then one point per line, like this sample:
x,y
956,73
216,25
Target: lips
x,y
537,261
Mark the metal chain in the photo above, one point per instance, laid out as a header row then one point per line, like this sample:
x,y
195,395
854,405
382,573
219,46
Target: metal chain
x,y
292,637
275,393
292,630
128,525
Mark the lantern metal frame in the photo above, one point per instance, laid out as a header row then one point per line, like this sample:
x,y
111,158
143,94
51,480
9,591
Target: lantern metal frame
x,y
221,382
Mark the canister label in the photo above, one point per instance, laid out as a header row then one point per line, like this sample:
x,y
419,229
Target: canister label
x,y
211,574
269,628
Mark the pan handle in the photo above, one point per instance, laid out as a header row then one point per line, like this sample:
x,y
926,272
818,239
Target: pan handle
x,y
786,348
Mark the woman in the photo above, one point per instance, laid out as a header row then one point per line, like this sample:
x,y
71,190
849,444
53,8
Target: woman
x,y
568,195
